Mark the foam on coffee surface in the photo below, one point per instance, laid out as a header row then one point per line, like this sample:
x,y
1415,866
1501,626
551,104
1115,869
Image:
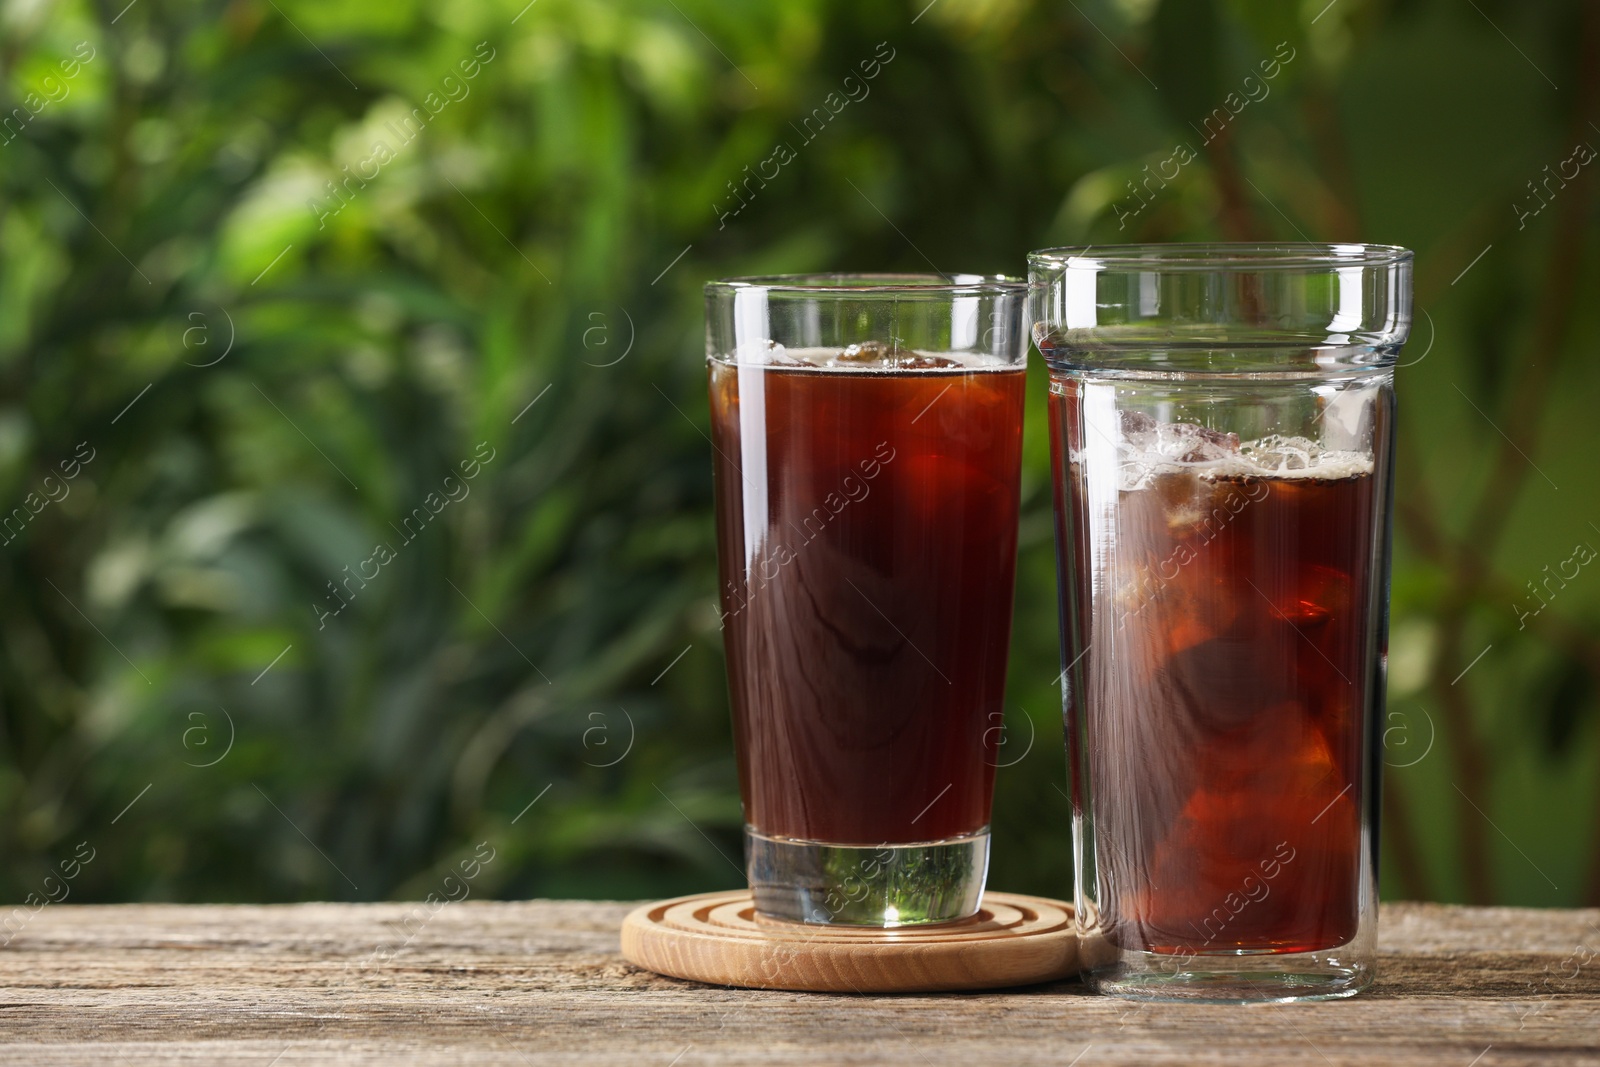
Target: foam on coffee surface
x,y
1147,448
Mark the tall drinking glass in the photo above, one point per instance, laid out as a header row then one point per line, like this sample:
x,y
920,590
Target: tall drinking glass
x,y
867,432
1221,420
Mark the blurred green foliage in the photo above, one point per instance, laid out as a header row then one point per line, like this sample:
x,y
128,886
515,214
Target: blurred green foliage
x,y
271,374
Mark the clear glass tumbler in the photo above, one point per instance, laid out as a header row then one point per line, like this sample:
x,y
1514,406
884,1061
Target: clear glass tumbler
x,y
867,432
1221,420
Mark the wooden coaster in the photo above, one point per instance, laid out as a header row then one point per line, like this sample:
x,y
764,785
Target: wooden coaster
x,y
716,938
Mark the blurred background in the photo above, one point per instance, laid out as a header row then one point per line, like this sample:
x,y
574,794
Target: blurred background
x,y
352,406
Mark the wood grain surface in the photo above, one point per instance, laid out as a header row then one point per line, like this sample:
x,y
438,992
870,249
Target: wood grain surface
x,y
543,983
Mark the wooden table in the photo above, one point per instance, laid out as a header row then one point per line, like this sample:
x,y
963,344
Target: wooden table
x,y
542,983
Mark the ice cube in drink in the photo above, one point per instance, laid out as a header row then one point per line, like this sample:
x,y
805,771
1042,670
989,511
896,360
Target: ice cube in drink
x,y
867,523
1221,693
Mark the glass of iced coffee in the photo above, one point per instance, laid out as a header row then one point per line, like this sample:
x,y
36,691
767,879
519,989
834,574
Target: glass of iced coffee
x,y
867,435
1221,421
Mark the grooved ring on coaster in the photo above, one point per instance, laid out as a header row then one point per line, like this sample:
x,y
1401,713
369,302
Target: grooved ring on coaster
x,y
717,938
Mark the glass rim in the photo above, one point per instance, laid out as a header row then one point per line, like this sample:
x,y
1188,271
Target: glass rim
x,y
859,282
1216,256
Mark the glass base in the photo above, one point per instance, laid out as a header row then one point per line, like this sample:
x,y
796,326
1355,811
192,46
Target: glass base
x,y
867,885
1231,979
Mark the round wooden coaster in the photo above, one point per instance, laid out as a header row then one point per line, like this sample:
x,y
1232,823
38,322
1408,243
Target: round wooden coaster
x,y
716,938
